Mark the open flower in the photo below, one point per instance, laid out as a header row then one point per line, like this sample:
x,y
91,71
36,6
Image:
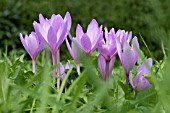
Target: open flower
x,y
105,67
140,82
75,53
53,31
33,45
88,41
123,36
128,55
107,47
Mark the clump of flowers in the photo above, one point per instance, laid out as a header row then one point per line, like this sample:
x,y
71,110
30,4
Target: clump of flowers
x,y
110,44
107,54
53,31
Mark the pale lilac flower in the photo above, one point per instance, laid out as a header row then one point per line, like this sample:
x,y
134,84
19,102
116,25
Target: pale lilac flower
x,y
128,55
75,53
33,45
53,31
68,65
63,69
88,41
105,67
107,47
140,82
123,36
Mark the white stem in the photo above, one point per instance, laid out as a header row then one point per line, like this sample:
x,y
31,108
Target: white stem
x,y
54,65
78,68
58,69
33,65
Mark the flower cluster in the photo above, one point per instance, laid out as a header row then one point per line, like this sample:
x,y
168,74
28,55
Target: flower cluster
x,y
52,32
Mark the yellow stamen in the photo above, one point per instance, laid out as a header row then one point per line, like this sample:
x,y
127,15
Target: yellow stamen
x,y
37,45
92,41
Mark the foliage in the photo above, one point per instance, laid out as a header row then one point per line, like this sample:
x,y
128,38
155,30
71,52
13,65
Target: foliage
x,y
23,91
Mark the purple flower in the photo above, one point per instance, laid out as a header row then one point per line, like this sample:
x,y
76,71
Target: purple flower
x,y
88,41
105,67
140,82
53,31
75,53
62,71
33,45
107,47
68,65
123,36
128,55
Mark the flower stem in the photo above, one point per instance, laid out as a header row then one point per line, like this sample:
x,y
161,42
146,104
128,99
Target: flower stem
x,y
58,69
88,55
78,68
135,94
33,65
127,79
106,78
54,65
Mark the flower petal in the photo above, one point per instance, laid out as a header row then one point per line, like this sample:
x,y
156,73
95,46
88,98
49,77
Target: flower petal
x,y
69,48
103,49
120,36
102,66
110,37
79,32
68,65
129,58
130,79
57,21
119,49
93,29
62,71
145,67
76,52
42,30
143,84
39,49
68,19
135,44
52,39
61,35
86,43
111,65
137,78
36,28
25,45
95,43
129,36
41,18
106,32
32,42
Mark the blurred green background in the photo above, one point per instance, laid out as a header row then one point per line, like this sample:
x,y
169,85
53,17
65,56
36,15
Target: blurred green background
x,y
150,18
